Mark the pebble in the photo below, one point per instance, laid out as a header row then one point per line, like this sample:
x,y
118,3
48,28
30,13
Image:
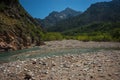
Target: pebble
x,y
117,73
100,69
53,63
28,77
25,69
17,66
86,69
78,65
68,67
44,72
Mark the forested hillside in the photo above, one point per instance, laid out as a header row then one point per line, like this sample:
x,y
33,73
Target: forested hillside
x,y
98,12
100,22
18,29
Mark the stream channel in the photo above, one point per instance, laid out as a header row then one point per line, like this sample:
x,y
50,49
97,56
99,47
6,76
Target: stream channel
x,y
36,52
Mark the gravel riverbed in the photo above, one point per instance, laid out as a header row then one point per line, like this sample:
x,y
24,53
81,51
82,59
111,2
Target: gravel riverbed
x,y
100,65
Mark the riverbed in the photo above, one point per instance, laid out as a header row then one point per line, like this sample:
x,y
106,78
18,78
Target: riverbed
x,y
63,60
59,48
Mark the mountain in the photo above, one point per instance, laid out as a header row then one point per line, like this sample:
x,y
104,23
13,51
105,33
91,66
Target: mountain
x,y
18,29
96,13
55,17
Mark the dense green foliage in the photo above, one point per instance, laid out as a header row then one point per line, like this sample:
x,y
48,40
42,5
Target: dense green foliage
x,y
52,36
96,32
116,34
96,13
92,32
94,28
100,37
2,6
100,22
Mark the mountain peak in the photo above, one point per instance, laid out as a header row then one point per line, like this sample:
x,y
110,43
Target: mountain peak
x,y
68,8
53,13
55,16
96,13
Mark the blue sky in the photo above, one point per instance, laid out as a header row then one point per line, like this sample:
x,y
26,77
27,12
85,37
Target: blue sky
x,y
41,8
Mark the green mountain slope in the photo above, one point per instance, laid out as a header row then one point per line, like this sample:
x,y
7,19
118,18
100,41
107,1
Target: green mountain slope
x,y
18,29
96,13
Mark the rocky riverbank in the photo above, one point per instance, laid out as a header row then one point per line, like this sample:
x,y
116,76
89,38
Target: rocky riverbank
x,y
78,44
100,65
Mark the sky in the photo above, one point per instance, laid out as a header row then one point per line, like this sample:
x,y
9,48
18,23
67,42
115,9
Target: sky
x,y
42,8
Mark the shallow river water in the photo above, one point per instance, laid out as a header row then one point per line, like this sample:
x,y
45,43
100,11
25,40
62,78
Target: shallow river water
x,y
36,52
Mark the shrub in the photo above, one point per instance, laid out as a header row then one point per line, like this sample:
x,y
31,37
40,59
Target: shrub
x,y
83,38
52,36
100,37
116,34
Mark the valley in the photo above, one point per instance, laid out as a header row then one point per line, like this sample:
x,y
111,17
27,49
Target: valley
x,y
65,45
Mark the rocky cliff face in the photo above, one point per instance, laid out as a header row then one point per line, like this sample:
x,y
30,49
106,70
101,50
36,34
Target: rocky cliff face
x,y
18,29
